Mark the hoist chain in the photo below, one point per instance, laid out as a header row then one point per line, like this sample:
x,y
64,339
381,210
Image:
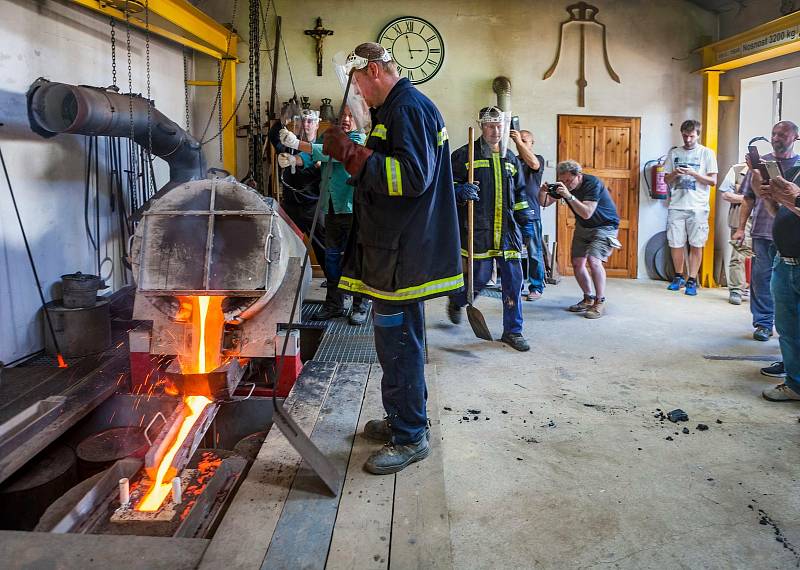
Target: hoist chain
x,y
186,87
130,71
113,55
219,106
147,65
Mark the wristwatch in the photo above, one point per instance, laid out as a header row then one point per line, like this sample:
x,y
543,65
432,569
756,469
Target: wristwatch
x,y
572,197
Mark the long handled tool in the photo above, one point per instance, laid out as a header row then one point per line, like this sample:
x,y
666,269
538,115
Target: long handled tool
x,y
476,320
61,362
289,428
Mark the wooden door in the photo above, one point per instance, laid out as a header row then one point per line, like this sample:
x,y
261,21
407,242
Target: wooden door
x,y
607,147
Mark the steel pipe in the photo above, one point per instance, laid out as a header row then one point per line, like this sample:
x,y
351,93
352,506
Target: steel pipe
x,y
55,108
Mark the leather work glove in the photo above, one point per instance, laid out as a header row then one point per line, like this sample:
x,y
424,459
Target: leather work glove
x,y
337,145
288,138
466,191
285,160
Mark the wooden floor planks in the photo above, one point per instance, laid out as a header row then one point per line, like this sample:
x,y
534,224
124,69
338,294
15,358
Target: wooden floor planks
x,y
281,517
303,534
246,530
363,529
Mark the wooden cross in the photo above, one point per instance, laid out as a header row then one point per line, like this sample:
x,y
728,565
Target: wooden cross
x,y
319,33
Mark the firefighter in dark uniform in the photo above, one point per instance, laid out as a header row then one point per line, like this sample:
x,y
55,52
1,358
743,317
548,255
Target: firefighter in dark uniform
x,y
501,209
404,247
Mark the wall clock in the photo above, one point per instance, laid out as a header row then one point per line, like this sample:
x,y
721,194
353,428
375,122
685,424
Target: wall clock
x,y
415,45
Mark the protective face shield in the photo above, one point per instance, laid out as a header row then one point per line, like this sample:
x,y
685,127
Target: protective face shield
x,y
343,65
306,125
289,110
494,116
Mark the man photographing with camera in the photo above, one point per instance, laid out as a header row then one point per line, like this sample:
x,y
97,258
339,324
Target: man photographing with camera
x,y
596,228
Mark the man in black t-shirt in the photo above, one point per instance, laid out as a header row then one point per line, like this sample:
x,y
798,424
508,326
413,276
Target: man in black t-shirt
x,y
595,236
782,198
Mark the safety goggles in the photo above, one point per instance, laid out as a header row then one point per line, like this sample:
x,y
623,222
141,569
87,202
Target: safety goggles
x,y
490,115
356,62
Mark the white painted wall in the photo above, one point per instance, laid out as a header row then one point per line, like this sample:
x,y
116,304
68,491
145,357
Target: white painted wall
x,y
649,45
61,42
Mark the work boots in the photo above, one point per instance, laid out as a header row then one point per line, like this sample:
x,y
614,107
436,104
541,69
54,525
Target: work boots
x,y
515,341
453,312
392,458
582,305
358,314
327,313
380,430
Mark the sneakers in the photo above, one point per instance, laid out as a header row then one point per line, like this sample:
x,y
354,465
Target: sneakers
x,y
596,310
677,282
534,296
393,458
328,313
774,370
380,430
781,393
583,305
691,287
515,341
358,315
453,312
735,298
762,334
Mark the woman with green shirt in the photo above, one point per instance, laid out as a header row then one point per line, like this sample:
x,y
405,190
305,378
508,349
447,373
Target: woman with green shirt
x,y
338,219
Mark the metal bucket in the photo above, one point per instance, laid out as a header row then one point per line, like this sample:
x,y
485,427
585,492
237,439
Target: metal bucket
x,y
80,290
79,331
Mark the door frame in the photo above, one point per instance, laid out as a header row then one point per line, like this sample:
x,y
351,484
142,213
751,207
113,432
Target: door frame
x,y
563,250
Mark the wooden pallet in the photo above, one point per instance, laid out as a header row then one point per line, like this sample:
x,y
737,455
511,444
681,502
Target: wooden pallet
x,y
281,516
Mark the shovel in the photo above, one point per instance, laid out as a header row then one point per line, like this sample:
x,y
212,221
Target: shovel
x,y
476,320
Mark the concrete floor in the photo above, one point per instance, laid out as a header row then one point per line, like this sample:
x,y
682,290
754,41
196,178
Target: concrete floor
x,y
578,473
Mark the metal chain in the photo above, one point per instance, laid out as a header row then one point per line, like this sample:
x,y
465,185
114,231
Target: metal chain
x,y
147,66
219,106
130,71
113,54
186,87
203,139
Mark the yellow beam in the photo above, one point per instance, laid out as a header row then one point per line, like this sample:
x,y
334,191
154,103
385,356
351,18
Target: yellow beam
x,y
203,83
772,39
228,95
196,22
101,8
726,98
710,135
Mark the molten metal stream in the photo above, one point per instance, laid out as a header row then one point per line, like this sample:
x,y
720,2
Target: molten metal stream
x,y
195,404
158,492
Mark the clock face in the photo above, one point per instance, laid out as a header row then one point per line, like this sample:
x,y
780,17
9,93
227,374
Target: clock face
x,y
415,45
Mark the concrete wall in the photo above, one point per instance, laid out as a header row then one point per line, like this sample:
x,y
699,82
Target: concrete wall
x,y
61,42
649,45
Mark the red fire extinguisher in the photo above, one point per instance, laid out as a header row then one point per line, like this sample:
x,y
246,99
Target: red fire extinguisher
x,y
656,184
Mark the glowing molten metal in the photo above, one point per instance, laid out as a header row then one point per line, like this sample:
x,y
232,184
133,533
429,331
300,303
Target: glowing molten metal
x,y
205,358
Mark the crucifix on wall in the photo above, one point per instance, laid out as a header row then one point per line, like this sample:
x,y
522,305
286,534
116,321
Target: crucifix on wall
x,y
319,33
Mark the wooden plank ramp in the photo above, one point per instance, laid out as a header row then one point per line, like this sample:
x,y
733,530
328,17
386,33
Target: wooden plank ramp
x,y
282,517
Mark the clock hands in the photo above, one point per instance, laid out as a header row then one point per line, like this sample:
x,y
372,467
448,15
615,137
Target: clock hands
x,y
410,51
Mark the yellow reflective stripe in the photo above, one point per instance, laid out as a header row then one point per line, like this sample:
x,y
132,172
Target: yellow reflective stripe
x,y
482,163
511,168
520,205
442,136
414,292
507,254
393,178
498,200
379,131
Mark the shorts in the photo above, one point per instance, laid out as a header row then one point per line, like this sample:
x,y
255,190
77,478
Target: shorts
x,y
594,242
687,225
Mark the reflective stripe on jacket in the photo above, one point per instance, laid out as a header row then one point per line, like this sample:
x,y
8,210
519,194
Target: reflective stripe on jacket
x,y
502,192
405,245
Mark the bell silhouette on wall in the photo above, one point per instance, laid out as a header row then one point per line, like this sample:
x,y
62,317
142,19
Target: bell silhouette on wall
x,y
326,111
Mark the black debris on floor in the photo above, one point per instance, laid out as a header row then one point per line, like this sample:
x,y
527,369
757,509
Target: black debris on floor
x,y
473,412
685,430
677,415
701,427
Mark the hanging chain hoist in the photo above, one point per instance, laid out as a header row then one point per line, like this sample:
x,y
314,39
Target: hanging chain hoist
x,y
113,55
186,88
149,100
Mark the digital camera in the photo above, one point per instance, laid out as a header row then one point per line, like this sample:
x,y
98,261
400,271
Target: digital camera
x,y
552,191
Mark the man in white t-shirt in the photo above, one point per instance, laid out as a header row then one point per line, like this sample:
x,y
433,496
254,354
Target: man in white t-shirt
x,y
691,170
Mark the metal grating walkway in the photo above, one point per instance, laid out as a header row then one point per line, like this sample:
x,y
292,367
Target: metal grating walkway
x,y
342,341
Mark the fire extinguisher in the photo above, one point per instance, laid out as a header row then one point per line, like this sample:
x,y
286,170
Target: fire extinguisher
x,y
656,184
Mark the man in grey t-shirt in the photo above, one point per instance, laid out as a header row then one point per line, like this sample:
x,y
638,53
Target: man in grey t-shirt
x,y
761,306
